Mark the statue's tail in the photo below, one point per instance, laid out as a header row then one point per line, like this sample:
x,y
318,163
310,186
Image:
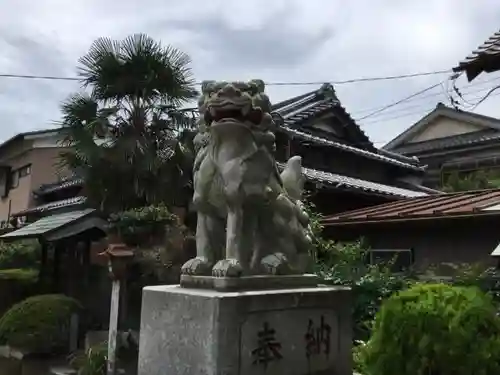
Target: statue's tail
x,y
292,178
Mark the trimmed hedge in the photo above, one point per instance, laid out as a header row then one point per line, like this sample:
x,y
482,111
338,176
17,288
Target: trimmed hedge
x,y
39,324
435,329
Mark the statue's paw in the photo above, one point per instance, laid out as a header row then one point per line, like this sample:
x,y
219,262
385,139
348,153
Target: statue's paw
x,y
199,266
276,264
227,268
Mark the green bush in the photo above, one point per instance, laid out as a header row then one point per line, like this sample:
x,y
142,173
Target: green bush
x,y
38,324
24,276
344,264
19,254
91,362
435,329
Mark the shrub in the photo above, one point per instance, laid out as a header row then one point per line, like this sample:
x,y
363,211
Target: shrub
x,y
22,276
19,254
91,362
138,224
344,264
435,329
16,285
38,324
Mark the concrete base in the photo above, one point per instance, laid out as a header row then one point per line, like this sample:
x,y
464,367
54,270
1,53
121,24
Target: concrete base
x,y
280,332
259,282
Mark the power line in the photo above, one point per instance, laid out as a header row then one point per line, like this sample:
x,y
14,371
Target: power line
x,y
317,83
399,101
421,97
404,108
422,112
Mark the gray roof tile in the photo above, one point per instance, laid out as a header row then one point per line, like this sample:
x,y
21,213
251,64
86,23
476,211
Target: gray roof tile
x,y
75,201
450,142
355,150
485,59
59,185
48,223
339,181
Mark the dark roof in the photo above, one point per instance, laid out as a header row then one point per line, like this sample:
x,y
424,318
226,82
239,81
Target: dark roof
x,y
451,205
454,141
301,108
59,185
400,157
69,202
487,122
337,181
292,113
59,226
355,150
485,59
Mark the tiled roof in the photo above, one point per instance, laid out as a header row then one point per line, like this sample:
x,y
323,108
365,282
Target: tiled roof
x,y
59,185
485,59
441,110
344,147
292,113
472,203
301,108
339,181
452,141
48,224
75,201
400,157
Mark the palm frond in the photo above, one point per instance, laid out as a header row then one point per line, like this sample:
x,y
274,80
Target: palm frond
x,y
137,86
100,68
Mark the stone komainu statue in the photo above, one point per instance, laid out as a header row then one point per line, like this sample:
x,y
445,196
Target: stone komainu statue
x,y
250,218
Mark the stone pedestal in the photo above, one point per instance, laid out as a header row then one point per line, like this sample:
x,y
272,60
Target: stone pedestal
x,y
280,332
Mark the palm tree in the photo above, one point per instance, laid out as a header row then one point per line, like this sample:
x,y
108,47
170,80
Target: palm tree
x,y
134,89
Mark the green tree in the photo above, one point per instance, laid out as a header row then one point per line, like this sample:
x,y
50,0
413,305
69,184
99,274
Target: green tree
x,y
483,179
134,89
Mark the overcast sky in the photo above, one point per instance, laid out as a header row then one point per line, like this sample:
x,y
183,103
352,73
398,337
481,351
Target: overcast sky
x,y
276,40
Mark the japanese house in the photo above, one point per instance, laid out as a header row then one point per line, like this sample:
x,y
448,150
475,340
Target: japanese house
x,y
344,169
485,59
450,140
27,161
450,228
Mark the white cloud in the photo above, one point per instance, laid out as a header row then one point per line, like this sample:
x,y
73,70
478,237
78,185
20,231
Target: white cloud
x,y
279,40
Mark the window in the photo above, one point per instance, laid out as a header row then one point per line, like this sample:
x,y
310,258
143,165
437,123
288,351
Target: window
x,y
25,171
402,259
14,179
4,181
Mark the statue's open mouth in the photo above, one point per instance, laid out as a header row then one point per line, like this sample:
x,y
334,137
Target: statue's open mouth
x,y
228,114
233,114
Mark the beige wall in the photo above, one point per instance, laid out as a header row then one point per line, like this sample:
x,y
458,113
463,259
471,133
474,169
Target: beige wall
x,y
444,127
43,170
